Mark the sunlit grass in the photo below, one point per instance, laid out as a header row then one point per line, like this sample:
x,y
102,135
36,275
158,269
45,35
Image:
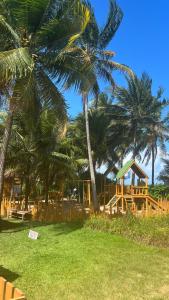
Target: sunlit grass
x,y
73,262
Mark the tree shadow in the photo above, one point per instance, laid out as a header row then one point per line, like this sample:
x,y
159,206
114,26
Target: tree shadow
x,y
8,275
7,226
11,226
67,227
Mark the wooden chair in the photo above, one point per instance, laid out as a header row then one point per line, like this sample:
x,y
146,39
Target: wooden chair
x,y
9,292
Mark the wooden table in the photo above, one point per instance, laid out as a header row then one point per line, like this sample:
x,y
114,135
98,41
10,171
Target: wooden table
x,y
21,214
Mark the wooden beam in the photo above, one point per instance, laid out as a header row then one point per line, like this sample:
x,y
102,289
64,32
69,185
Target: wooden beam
x,y
122,192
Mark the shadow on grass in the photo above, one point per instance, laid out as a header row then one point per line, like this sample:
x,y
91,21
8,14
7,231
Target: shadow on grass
x,y
8,275
9,226
68,227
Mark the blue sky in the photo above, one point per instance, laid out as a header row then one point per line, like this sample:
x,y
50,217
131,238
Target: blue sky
x,y
141,42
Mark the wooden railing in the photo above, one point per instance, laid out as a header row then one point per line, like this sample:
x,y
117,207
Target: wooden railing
x,y
9,292
132,190
139,190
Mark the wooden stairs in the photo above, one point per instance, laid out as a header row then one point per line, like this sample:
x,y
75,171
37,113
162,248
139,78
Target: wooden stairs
x,y
131,202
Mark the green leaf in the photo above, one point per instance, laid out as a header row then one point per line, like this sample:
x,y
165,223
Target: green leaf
x,y
15,64
6,31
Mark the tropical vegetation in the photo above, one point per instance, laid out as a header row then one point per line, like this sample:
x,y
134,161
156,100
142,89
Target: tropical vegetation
x,y
54,45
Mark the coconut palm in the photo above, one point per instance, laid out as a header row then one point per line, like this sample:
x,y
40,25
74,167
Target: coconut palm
x,y
31,32
140,114
98,123
164,174
41,155
155,140
88,62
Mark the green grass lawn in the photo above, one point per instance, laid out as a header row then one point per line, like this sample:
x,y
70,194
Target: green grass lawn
x,y
73,262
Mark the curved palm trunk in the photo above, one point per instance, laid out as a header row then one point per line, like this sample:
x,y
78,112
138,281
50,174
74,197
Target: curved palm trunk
x,y
5,142
92,174
153,164
134,157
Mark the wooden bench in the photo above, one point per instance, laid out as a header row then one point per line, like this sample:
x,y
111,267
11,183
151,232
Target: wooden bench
x,y
21,214
9,292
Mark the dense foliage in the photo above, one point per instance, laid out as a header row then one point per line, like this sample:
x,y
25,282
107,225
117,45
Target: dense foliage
x,y
54,44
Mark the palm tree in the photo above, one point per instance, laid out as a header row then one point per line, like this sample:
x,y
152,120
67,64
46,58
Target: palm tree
x,y
155,138
34,32
141,116
38,154
88,62
156,133
164,174
98,123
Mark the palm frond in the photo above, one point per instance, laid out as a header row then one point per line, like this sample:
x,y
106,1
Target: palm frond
x,y
114,66
26,14
114,20
50,96
6,31
62,30
16,63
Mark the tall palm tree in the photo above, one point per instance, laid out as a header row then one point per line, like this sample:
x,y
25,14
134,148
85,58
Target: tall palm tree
x,y
88,62
141,115
156,133
135,103
98,124
34,31
155,140
164,174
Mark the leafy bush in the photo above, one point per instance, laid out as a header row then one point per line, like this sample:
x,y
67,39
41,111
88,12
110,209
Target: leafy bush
x,y
150,231
159,191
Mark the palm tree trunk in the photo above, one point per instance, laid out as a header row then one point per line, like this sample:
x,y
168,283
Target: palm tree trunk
x,y
134,157
5,142
153,165
92,174
47,188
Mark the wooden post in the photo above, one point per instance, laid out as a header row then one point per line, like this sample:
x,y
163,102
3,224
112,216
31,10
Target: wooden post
x,y
83,194
122,192
116,189
146,180
104,193
79,191
146,206
89,195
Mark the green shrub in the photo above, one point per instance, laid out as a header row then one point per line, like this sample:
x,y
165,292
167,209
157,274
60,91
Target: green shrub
x,y
159,191
151,231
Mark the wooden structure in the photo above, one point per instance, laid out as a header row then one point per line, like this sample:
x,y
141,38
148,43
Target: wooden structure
x,y
9,292
131,197
83,193
59,211
12,184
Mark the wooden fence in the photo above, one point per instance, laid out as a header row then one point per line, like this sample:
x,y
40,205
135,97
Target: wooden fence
x,y
54,212
9,292
58,212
